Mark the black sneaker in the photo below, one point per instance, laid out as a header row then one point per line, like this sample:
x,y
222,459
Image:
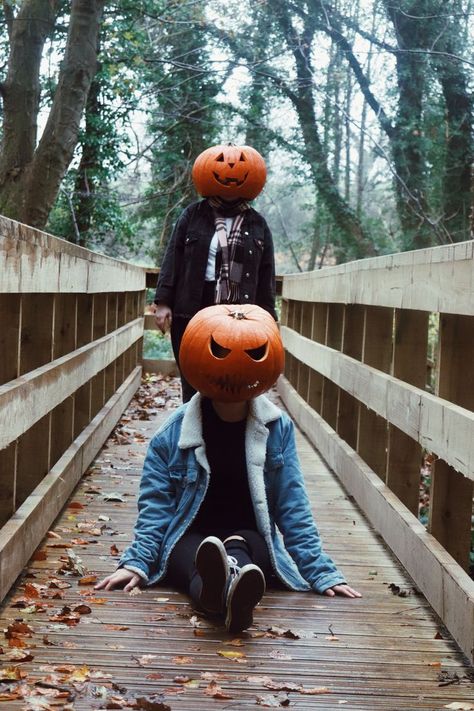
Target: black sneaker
x,y
213,567
245,591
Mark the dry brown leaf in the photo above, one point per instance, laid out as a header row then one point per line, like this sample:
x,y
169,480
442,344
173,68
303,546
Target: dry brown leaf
x,y
314,691
151,703
216,691
182,660
87,580
146,659
279,632
75,505
230,654
40,555
273,701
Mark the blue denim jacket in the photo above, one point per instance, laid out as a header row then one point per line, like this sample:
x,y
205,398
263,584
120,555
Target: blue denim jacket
x,y
175,479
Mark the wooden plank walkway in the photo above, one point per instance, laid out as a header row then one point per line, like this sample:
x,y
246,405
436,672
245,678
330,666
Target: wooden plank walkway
x,y
72,648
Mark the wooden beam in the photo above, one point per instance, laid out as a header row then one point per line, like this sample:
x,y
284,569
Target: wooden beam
x,y
436,424
19,537
435,279
27,399
32,261
409,364
448,589
450,513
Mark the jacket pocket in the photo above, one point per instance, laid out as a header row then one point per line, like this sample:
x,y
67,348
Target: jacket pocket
x,y
191,239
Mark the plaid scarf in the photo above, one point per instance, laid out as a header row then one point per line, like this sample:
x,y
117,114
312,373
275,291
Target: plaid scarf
x,y
230,251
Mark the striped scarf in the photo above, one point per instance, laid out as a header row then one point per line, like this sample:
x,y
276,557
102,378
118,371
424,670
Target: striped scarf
x,y
230,251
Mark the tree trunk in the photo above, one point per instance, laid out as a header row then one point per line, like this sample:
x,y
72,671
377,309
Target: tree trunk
x,y
29,194
303,101
20,91
459,145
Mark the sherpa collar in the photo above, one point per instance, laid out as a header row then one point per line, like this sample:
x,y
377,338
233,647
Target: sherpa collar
x,y
261,410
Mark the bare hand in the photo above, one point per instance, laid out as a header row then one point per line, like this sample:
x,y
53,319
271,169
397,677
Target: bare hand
x,y
122,578
163,317
343,590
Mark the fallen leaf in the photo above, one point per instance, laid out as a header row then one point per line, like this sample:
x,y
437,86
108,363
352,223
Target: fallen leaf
x,y
273,701
117,628
279,632
82,609
135,591
40,555
182,660
460,706
114,550
315,690
16,628
113,496
12,673
71,565
87,580
216,691
146,659
229,654
151,703
75,505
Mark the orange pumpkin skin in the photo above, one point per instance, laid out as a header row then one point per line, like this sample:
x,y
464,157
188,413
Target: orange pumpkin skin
x,y
231,352
229,171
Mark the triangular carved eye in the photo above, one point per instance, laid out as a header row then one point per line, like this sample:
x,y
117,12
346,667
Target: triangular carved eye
x,y
220,158
258,353
242,157
217,350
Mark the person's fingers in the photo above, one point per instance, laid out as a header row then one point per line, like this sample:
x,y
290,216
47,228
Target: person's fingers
x,y
102,583
132,584
329,592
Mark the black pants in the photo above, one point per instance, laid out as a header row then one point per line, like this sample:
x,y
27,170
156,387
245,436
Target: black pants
x,y
182,572
178,326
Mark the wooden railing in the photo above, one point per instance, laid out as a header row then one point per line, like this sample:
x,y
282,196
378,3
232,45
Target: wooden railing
x,y
356,338
71,327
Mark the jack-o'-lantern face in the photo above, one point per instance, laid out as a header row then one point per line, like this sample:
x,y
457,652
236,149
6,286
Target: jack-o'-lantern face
x,y
229,171
231,353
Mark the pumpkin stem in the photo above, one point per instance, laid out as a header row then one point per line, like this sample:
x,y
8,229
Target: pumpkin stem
x,y
239,315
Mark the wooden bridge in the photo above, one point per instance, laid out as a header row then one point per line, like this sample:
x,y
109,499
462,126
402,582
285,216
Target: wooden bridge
x,y
357,338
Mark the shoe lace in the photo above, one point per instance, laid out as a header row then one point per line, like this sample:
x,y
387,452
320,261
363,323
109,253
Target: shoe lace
x,y
233,565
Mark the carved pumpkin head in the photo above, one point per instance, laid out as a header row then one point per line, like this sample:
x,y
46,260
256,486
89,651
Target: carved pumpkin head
x,y
231,352
229,171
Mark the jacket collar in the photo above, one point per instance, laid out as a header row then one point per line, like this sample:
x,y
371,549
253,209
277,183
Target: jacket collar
x,y
261,412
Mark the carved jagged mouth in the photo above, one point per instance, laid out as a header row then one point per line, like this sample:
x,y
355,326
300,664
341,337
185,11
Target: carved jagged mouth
x,y
230,181
225,382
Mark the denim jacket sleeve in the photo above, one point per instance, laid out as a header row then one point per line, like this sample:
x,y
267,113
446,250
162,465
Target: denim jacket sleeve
x,y
294,519
156,507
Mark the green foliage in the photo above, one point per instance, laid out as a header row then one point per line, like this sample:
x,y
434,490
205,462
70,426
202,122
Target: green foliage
x,y
156,346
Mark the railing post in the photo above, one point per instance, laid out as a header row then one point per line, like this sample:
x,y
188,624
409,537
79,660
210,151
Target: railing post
x,y
451,492
9,348
372,435
82,398
318,333
330,398
409,364
64,338
348,408
36,341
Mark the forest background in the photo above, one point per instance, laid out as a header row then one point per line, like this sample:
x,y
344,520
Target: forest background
x,y
363,110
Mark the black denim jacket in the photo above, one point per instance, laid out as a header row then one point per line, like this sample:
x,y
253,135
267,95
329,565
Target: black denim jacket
x,y
181,280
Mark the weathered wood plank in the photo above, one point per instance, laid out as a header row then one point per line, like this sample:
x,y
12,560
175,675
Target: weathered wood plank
x,y
446,586
32,261
44,388
435,279
19,536
437,424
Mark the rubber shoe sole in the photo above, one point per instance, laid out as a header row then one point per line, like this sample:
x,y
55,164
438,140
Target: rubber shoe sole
x,y
245,592
213,567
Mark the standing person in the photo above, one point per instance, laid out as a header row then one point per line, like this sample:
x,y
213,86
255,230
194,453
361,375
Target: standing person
x,y
221,249
223,508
